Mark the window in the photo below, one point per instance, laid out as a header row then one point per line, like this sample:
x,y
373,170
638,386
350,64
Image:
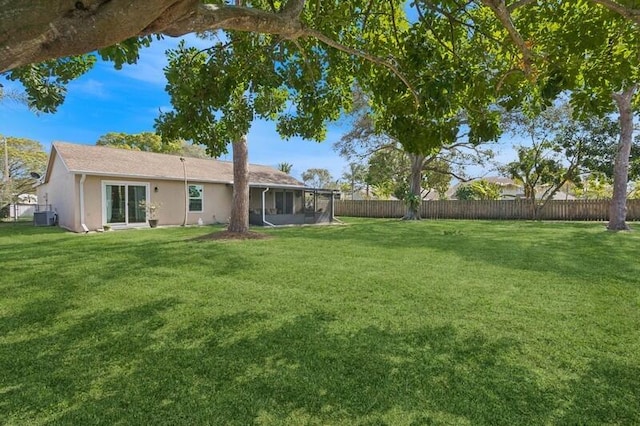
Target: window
x,y
195,198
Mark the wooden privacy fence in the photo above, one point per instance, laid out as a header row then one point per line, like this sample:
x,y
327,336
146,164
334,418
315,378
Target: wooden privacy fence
x,y
590,210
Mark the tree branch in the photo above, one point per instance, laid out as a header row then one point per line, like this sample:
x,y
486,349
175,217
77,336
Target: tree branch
x,y
504,16
626,12
293,9
44,30
369,57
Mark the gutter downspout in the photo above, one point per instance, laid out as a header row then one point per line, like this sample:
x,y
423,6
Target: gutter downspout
x,y
264,220
186,192
84,226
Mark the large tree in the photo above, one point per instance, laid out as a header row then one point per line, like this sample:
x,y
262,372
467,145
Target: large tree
x,y
457,68
318,178
409,160
23,157
300,84
560,150
151,142
589,48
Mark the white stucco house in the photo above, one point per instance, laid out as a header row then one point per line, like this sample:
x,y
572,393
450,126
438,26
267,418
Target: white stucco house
x,y
89,187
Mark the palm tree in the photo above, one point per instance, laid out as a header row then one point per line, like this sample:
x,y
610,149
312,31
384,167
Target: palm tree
x,y
285,167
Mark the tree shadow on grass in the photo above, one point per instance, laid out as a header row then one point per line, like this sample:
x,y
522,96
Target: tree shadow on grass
x,y
49,367
63,264
120,367
607,393
568,249
125,367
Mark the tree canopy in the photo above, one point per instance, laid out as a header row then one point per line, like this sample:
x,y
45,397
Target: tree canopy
x,y
478,190
421,72
25,156
45,45
318,178
151,142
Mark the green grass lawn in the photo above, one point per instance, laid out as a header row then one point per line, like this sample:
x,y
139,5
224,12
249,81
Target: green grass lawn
x,y
375,322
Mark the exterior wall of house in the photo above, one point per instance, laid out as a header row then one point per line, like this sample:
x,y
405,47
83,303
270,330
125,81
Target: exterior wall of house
x,y
216,201
92,202
61,192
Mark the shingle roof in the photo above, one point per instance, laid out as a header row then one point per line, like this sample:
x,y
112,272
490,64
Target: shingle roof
x,y
107,161
500,180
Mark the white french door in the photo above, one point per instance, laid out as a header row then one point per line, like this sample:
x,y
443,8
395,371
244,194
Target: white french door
x,y
121,201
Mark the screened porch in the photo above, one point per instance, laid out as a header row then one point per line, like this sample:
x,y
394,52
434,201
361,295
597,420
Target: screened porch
x,y
290,206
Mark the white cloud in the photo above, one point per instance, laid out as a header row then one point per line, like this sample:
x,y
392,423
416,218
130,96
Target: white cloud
x,y
153,60
89,87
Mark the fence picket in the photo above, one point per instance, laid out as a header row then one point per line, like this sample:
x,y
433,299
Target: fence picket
x,y
582,210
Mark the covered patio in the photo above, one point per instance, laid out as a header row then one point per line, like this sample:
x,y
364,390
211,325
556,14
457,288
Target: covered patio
x,y
276,206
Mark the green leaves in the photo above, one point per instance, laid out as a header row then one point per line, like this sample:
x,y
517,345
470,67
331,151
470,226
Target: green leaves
x,y
145,141
25,156
318,178
479,190
126,52
582,48
45,83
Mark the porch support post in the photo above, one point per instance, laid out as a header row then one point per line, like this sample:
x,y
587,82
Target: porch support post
x,y
332,206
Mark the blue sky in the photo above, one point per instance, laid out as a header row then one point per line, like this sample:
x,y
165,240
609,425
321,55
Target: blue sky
x,y
107,100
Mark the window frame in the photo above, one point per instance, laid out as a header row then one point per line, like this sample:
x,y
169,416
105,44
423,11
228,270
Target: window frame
x,y
125,184
200,188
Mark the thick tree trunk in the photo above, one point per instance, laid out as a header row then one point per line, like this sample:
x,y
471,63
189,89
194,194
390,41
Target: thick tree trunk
x,y
618,207
239,221
414,202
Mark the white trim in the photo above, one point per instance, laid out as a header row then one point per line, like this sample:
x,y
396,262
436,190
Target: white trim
x,y
82,207
181,179
201,197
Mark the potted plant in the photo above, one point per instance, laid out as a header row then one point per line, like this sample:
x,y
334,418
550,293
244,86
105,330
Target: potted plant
x,y
151,210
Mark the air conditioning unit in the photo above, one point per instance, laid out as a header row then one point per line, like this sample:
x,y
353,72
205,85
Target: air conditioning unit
x,y
45,218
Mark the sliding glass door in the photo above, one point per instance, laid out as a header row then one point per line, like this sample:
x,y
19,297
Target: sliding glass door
x,y
122,203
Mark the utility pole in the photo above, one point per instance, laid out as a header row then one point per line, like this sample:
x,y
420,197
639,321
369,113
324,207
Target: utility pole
x,y
6,179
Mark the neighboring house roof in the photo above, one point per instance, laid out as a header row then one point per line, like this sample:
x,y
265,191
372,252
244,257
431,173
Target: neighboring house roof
x,y
500,180
562,195
108,161
505,184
